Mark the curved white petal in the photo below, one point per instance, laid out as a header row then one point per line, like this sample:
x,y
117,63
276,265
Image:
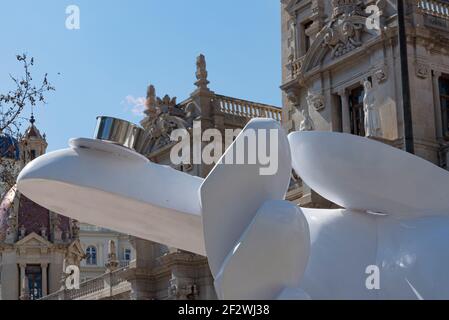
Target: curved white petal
x,y
361,174
232,193
112,187
270,255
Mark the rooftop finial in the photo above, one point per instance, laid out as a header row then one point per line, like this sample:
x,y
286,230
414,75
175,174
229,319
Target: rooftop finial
x,y
151,101
32,120
151,97
201,73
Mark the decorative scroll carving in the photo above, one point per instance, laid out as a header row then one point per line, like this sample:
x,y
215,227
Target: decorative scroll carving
x,y
381,74
163,116
422,70
346,7
315,101
343,36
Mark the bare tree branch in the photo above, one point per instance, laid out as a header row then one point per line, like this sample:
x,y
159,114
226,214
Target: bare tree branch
x,y
12,104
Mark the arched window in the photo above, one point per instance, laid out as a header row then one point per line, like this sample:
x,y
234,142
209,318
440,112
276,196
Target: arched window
x,y
91,256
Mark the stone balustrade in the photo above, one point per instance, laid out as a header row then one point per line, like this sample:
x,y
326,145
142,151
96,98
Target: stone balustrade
x,y
247,109
89,287
438,8
124,263
103,286
294,67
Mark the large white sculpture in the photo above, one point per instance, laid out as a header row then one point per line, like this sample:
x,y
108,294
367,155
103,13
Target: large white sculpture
x,y
259,246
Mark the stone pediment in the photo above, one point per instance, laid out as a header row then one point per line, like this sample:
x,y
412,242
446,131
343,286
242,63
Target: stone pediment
x,y
33,240
290,5
337,39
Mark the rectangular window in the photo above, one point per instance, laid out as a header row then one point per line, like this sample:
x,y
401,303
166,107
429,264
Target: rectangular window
x,y
356,113
127,255
444,98
91,256
33,274
307,39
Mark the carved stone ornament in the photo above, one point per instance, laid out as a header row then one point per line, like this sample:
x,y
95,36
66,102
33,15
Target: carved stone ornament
x,y
292,96
315,101
201,73
381,74
343,36
306,123
422,70
346,7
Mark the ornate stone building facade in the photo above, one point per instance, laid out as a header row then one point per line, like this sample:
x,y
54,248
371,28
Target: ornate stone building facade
x,y
95,243
35,244
341,72
157,271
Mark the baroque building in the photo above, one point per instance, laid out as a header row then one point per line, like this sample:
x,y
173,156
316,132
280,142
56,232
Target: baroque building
x,y
341,72
155,270
95,242
35,244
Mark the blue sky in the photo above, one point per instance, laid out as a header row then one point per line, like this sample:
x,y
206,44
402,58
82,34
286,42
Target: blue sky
x,y
122,46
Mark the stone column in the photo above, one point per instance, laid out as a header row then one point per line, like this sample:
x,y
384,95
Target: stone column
x,y
437,104
44,267
294,36
142,286
23,283
345,119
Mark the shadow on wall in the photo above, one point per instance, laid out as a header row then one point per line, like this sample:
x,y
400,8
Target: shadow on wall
x,y
388,119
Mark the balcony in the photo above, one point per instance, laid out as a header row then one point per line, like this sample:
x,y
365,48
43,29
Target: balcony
x,y
436,13
243,109
105,286
294,67
247,109
436,8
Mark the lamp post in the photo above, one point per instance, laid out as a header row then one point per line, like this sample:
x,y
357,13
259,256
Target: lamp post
x,y
406,103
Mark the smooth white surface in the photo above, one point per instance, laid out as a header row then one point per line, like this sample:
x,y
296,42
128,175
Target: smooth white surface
x,y
232,193
411,254
258,245
265,246
343,244
123,193
362,174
